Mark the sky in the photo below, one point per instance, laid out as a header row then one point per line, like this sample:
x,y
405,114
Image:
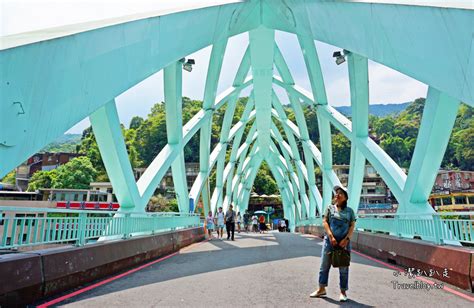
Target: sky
x,y
385,85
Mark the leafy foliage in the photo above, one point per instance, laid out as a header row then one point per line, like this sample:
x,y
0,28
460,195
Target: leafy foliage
x,y
9,178
76,174
396,132
42,179
159,203
264,182
66,143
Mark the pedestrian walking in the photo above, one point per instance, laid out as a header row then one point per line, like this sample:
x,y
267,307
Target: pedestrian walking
x,y
282,227
246,221
210,224
230,222
262,225
254,223
239,221
220,223
339,222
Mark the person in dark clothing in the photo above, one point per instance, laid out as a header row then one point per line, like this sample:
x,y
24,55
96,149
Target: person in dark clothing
x,y
246,221
230,222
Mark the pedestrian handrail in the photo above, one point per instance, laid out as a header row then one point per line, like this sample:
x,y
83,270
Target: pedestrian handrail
x,y
440,227
20,227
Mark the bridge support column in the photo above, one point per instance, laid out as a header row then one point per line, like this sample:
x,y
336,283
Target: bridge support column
x,y
218,196
214,70
315,75
436,125
315,199
359,86
174,129
108,133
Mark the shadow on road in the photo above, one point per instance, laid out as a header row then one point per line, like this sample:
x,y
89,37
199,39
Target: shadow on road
x,y
216,255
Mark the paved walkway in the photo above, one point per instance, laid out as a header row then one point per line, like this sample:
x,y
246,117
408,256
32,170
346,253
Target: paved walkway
x,y
263,270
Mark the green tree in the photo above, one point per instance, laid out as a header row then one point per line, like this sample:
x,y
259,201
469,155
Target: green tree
x,y
42,179
136,122
312,123
173,205
384,126
191,150
130,136
396,148
464,149
264,182
89,148
414,110
151,135
341,149
76,174
10,178
406,128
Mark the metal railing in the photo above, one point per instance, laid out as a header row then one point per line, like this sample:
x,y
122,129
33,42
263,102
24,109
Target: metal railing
x,y
21,227
440,228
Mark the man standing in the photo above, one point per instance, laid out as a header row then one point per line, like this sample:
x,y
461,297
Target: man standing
x,y
230,222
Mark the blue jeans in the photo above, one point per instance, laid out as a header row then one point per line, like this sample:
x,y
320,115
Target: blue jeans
x,y
326,265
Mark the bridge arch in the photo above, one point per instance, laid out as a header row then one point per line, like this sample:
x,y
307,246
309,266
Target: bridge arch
x,y
86,66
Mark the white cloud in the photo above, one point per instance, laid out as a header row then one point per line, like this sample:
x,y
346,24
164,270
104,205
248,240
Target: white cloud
x,y
389,86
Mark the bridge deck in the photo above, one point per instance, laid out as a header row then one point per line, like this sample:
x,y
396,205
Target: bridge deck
x,y
272,269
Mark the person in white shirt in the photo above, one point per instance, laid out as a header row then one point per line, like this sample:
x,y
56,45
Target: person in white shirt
x,y
254,223
220,223
239,221
282,225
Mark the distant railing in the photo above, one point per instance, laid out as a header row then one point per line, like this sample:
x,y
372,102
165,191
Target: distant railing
x,y
440,228
21,227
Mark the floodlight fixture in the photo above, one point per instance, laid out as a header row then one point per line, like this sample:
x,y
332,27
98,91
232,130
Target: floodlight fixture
x,y
340,60
188,65
340,56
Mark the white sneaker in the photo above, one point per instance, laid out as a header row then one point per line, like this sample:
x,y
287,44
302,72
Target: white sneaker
x,y
343,298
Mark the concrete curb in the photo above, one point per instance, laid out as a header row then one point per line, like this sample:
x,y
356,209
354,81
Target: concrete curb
x,y
414,254
28,277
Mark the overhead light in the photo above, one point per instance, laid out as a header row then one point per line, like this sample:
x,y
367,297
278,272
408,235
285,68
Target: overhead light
x,y
340,60
340,56
188,65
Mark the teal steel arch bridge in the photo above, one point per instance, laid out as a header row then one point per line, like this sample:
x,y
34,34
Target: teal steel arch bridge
x,y
77,71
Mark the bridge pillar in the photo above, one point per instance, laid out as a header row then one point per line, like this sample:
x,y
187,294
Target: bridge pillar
x,y
261,57
172,78
359,87
316,79
438,119
108,133
213,72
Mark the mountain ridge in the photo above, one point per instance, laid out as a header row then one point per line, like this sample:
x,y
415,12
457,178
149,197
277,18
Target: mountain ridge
x,y
379,110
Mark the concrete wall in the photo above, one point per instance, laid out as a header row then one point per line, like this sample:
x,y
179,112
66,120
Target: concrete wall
x,y
27,203
415,254
29,277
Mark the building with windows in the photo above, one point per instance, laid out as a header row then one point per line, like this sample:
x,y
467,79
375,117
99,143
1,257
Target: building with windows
x,y
374,189
453,191
454,181
166,184
40,162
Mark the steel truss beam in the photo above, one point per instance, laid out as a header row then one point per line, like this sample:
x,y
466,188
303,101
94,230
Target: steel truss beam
x,y
101,64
